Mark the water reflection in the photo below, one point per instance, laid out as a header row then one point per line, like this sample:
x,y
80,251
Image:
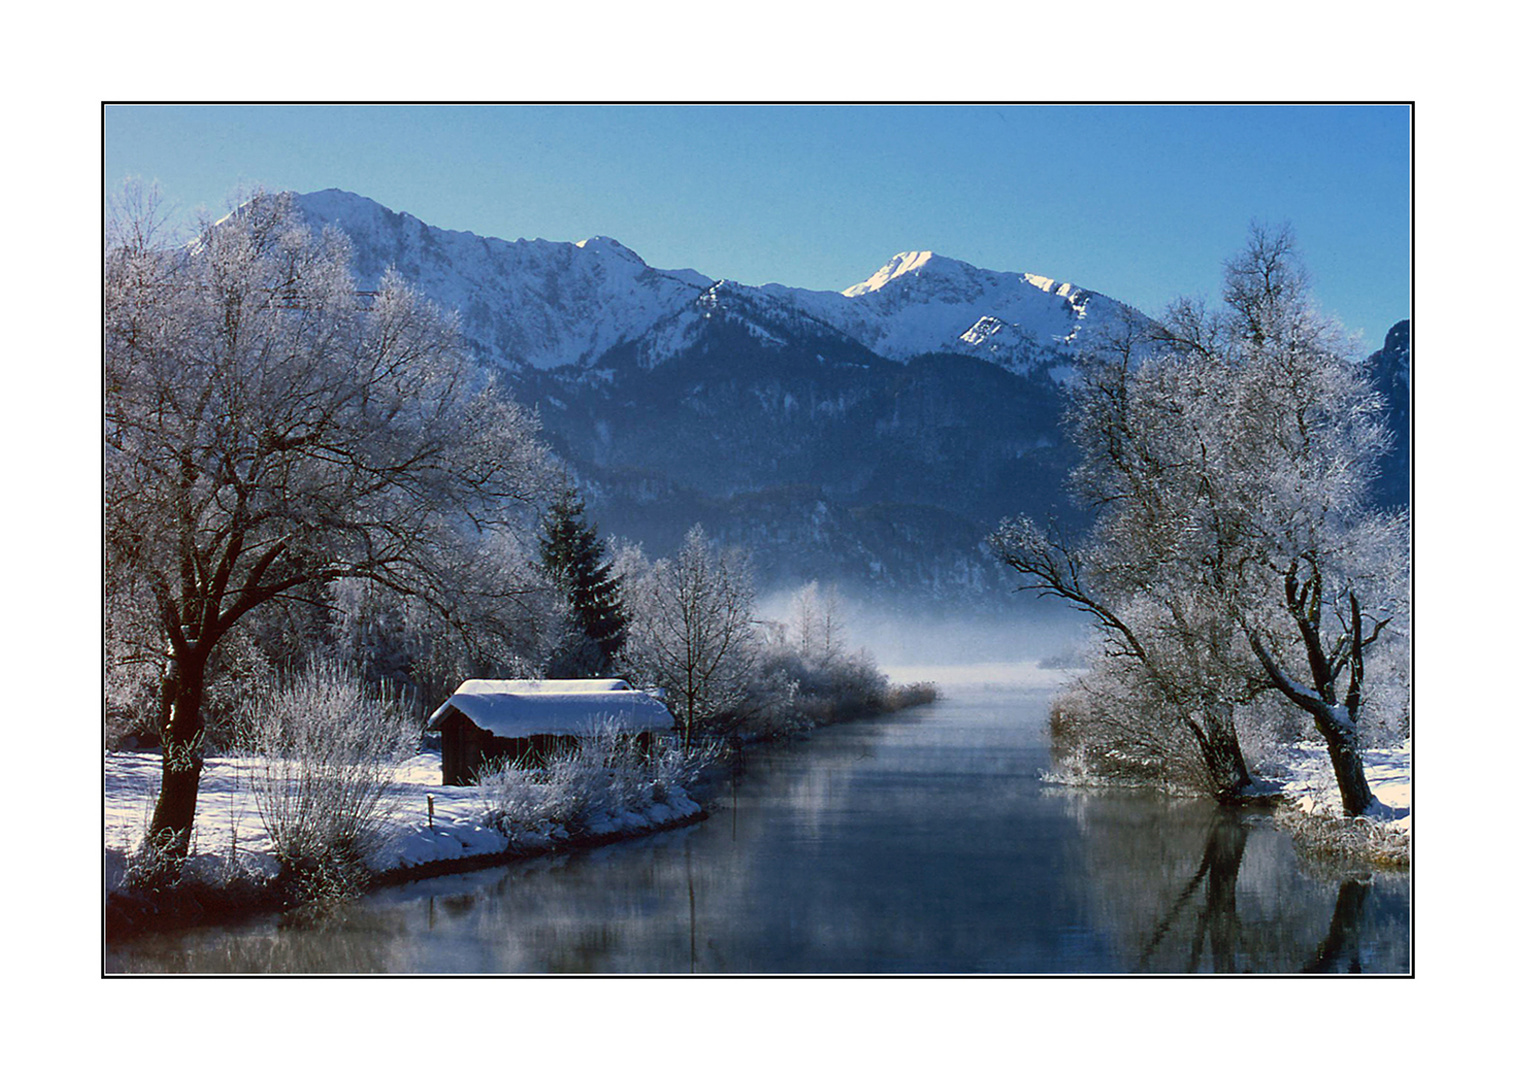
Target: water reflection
x,y
354,939
1339,950
1216,919
1209,901
1219,890
924,843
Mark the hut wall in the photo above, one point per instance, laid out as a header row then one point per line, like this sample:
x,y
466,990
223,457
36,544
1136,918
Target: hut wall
x,y
467,749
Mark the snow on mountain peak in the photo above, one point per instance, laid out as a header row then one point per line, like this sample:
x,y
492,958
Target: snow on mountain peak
x,y
545,304
539,303
607,244
907,262
920,302
1070,292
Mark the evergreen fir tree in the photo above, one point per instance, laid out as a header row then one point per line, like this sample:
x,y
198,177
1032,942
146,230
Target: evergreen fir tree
x,y
574,559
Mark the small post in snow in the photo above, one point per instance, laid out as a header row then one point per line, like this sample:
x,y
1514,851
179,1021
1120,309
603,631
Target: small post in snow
x,y
429,812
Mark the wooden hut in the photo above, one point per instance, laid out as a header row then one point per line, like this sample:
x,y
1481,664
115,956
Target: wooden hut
x,y
525,720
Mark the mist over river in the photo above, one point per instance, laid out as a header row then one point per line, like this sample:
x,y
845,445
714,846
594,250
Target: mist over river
x,y
922,842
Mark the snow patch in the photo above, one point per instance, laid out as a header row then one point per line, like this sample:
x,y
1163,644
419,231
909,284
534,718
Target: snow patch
x,y
1309,782
907,262
227,825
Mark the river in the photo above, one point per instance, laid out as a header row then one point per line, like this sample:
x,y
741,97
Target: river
x,y
923,842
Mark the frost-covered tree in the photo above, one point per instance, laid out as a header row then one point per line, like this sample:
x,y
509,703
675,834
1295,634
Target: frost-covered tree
x,y
573,557
1150,572
816,617
410,644
1229,457
268,431
1332,654
1325,573
694,631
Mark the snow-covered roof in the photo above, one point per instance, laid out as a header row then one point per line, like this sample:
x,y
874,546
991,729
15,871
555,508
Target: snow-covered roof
x,y
541,686
517,708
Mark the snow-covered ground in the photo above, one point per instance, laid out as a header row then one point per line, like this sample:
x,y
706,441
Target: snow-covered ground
x,y
227,823
1312,787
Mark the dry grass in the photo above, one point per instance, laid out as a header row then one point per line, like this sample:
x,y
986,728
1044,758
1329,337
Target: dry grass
x,y
1347,841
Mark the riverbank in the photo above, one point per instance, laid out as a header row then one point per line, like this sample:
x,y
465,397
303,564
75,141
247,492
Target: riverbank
x,y
1308,804
922,843
1312,811
430,830
1302,793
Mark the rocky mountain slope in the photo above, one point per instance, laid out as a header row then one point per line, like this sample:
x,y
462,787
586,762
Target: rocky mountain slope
x,y
1391,366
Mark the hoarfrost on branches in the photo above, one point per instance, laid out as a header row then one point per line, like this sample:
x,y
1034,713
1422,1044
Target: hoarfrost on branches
x,y
269,432
1229,456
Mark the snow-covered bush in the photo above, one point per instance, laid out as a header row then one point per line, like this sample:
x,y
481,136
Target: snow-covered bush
x,y
675,767
607,773
516,799
325,746
582,783
805,676
1331,839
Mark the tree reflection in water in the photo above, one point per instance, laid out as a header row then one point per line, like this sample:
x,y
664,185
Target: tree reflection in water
x,y
348,939
1207,907
1339,950
1216,914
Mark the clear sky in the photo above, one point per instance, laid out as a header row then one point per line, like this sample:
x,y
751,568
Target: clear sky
x,y
1140,203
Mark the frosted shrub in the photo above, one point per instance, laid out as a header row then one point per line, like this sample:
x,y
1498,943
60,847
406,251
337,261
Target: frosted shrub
x,y
604,774
1106,729
326,747
516,798
676,766
580,785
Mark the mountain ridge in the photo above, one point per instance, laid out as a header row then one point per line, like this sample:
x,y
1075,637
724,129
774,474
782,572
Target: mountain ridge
x,y
559,303
870,440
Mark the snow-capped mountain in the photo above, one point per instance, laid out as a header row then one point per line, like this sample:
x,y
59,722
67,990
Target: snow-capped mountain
x,y
870,437
546,304
920,302
533,303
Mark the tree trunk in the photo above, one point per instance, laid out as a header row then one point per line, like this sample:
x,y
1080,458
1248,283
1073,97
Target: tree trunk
x,y
1354,786
1222,755
183,750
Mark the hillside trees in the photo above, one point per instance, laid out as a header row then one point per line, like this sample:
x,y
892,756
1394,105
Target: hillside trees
x,y
268,432
1229,456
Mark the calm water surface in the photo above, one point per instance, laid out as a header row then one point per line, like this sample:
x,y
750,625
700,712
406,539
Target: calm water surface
x,y
923,842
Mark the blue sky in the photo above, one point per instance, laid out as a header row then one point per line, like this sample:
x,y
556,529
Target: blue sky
x,y
1141,203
